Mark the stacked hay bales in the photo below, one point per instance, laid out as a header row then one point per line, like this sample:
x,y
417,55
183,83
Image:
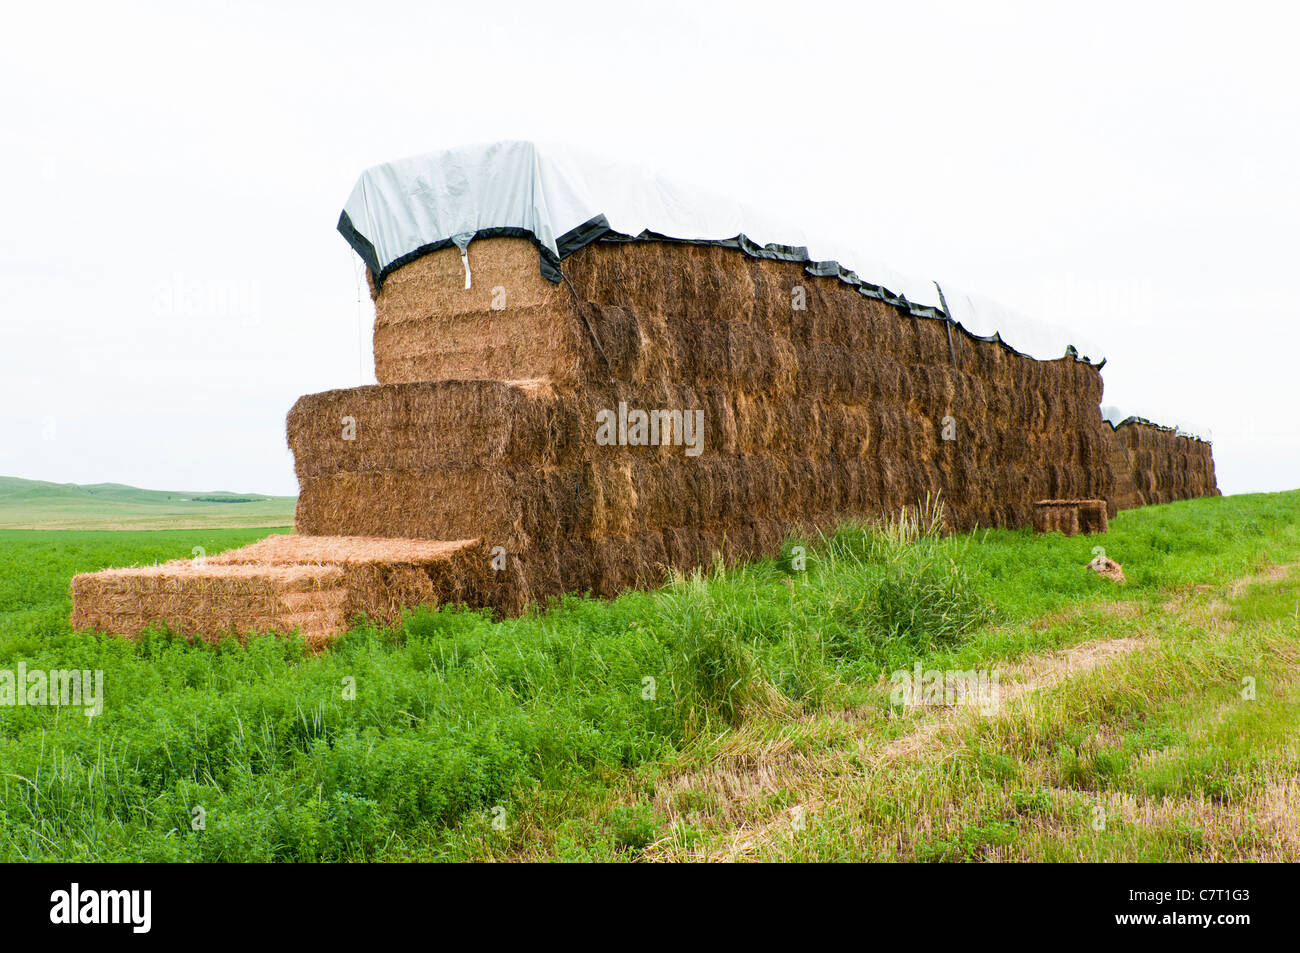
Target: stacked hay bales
x,y
854,390
508,418
1152,464
285,583
1123,493
381,576
212,601
818,404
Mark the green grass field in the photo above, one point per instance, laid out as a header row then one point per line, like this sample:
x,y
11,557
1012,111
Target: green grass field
x,y
35,504
736,714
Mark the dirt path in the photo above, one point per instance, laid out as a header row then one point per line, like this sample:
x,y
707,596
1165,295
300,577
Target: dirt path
x,y
734,784
1033,674
1271,574
1030,675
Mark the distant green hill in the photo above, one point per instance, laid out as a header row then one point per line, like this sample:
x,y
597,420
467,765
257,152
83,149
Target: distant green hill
x,y
36,504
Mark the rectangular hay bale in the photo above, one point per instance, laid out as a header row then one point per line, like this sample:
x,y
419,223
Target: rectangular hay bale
x,y
286,582
197,598
1070,516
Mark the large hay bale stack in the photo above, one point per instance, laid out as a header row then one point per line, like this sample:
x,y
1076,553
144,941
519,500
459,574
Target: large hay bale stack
x,y
485,419
1122,493
665,404
847,399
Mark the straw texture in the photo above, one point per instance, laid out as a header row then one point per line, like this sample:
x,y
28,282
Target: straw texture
x,y
1152,465
288,583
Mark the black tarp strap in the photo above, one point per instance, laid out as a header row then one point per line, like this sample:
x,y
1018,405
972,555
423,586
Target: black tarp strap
x,y
952,351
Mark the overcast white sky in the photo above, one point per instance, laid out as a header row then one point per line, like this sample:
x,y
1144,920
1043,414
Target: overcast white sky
x,y
171,280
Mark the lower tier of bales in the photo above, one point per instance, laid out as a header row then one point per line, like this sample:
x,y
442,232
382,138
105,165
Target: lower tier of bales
x,y
288,583
398,460
212,601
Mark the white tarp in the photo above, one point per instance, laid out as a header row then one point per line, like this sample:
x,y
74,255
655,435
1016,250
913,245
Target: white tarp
x,y
1116,415
1037,338
401,209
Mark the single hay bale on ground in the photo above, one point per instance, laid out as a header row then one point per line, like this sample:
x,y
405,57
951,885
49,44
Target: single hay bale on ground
x,y
1070,516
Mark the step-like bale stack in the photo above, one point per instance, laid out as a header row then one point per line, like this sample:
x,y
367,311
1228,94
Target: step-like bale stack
x,y
381,576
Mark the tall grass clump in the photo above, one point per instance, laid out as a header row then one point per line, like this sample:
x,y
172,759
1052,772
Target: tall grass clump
x,y
901,585
926,600
713,674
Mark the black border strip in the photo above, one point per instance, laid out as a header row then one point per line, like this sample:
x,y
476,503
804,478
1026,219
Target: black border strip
x,y
1135,419
598,229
